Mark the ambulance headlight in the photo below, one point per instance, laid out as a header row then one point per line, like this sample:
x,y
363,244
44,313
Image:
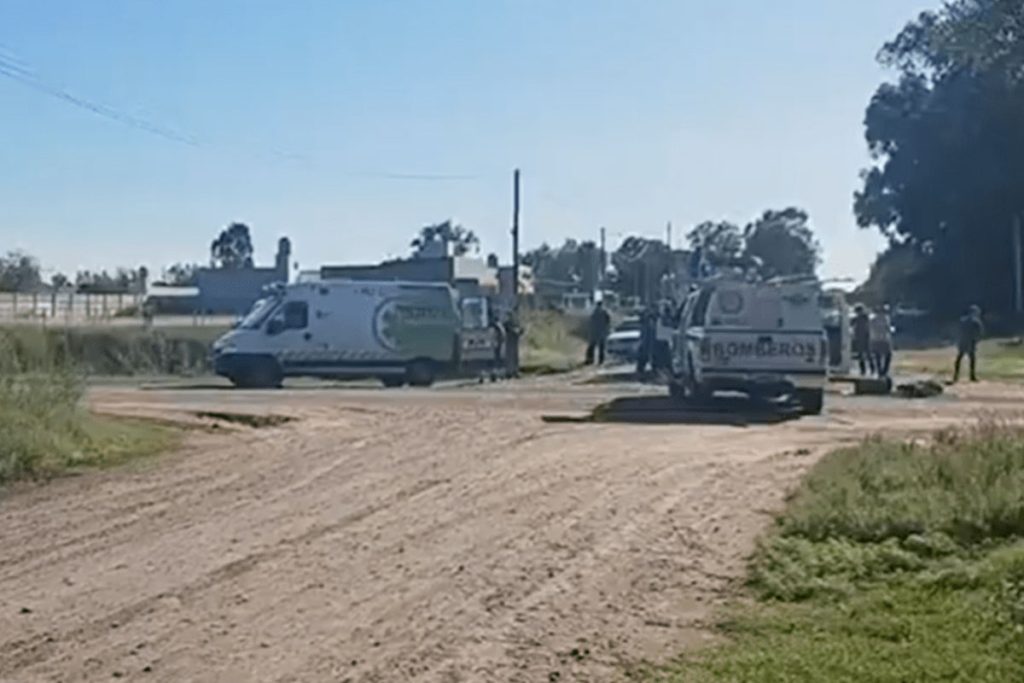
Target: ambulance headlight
x,y
223,347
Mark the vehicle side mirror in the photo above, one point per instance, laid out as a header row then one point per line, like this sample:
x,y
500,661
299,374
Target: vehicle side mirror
x,y
275,326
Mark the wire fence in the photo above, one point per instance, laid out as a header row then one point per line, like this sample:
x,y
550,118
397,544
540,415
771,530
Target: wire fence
x,y
78,309
67,306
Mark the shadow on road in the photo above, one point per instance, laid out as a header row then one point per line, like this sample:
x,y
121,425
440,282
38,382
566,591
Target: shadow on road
x,y
662,410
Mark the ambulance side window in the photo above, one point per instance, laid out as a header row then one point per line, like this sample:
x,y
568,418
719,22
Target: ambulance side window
x,y
687,309
700,308
295,316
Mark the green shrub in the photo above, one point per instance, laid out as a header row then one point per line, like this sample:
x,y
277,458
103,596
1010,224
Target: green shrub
x,y
43,428
968,486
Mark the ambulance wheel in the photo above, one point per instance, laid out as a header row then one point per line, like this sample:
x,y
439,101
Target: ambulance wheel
x,y
812,401
420,373
392,381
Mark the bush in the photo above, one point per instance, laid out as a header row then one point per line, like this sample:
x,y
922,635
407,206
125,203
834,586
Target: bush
x,y
44,430
968,486
552,341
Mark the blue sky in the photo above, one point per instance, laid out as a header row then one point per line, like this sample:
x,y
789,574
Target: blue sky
x,y
626,114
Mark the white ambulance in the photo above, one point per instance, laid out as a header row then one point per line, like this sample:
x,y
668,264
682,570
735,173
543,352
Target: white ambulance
x,y
398,332
762,339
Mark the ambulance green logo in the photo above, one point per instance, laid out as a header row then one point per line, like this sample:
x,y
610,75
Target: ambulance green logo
x,y
415,328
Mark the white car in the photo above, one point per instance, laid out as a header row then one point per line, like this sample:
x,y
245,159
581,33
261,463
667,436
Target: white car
x,y
624,341
760,339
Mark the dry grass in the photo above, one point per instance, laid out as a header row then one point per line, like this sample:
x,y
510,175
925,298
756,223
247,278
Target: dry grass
x,y
553,342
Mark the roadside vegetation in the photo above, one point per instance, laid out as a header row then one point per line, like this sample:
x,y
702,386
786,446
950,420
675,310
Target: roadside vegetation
x,y
892,562
45,430
998,359
112,350
552,342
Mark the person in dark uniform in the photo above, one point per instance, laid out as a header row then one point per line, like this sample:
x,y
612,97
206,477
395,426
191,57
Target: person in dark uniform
x,y
648,330
513,333
498,338
662,358
600,326
861,342
971,331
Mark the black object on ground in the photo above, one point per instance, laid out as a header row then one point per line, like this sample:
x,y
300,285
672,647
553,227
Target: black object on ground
x,y
920,389
872,386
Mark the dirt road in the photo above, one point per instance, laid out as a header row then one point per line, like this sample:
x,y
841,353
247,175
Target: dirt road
x,y
447,535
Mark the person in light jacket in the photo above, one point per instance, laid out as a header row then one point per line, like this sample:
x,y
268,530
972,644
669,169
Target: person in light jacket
x,y
861,340
881,340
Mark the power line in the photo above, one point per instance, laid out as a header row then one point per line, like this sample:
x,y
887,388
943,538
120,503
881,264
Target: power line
x,y
19,71
419,176
25,77
9,54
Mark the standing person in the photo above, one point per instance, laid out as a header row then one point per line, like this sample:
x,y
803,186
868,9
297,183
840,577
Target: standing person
x,y
861,342
880,328
971,330
498,339
147,315
513,333
600,326
648,330
663,344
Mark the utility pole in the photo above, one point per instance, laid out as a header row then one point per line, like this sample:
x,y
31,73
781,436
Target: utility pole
x,y
512,331
1018,275
668,235
604,259
515,240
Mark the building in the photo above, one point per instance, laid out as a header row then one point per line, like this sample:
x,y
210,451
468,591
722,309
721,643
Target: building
x,y
506,292
232,291
471,276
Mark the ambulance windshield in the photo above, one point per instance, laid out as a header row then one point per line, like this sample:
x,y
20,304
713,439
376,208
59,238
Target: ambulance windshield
x,y
260,311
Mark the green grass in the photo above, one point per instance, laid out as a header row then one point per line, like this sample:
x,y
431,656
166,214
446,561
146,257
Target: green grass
x,y
114,351
997,360
44,430
892,562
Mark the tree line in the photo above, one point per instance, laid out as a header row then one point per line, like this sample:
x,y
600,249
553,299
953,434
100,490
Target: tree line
x,y
21,272
946,135
778,243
